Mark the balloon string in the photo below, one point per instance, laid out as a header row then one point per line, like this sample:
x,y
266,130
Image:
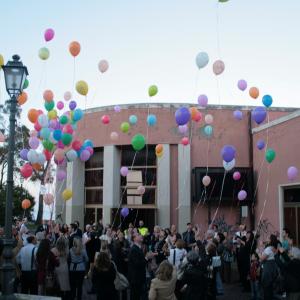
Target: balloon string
x,y
74,74
43,70
218,30
198,204
207,154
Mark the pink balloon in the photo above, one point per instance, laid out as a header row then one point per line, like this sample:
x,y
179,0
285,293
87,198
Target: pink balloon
x,y
141,190
242,84
198,116
236,175
203,100
242,195
90,149
105,119
48,199
218,67
59,154
49,34
185,141
124,171
61,174
60,105
206,180
67,95
2,137
85,155
183,128
33,142
103,65
114,136
68,129
209,119
292,173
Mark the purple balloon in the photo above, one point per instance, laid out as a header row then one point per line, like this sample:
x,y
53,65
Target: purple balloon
x,y
117,108
61,174
23,154
242,84
124,171
203,100
33,142
183,129
242,195
124,212
228,153
260,144
238,115
182,115
85,155
292,173
259,114
72,105
54,124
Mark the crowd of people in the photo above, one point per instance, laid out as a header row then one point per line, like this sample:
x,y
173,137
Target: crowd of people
x,y
159,264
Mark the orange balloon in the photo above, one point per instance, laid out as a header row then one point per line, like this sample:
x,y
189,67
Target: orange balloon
x,y
26,204
48,95
194,112
159,148
33,115
37,167
22,98
74,48
254,92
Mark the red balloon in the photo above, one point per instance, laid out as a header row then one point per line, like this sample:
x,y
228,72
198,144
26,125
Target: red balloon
x,y
185,141
47,154
105,119
37,126
68,129
76,145
26,170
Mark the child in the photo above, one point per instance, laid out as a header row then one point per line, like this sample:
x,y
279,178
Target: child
x,y
254,277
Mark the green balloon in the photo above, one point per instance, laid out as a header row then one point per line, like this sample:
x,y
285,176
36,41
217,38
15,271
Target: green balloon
x,y
66,138
26,84
270,155
223,1
138,142
63,120
48,145
44,53
125,127
152,91
49,105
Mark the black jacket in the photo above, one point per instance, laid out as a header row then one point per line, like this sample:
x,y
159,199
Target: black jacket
x,y
136,266
189,238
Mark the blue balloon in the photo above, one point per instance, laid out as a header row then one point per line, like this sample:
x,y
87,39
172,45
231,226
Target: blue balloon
x,y
133,119
260,144
259,114
228,153
151,120
202,60
182,115
77,114
45,133
57,134
208,130
87,143
267,100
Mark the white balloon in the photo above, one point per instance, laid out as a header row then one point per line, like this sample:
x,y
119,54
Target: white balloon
x,y
52,139
71,155
43,120
228,166
202,60
33,156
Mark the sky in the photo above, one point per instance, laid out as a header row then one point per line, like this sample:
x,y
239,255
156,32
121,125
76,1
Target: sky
x,y
155,42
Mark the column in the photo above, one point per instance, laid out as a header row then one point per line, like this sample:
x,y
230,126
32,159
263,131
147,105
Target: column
x,y
184,186
111,181
163,189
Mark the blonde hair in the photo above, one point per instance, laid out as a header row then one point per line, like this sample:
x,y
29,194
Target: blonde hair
x,y
77,245
164,271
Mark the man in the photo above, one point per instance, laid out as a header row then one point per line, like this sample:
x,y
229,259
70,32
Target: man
x,y
78,231
26,258
43,228
286,239
189,237
142,229
73,233
100,227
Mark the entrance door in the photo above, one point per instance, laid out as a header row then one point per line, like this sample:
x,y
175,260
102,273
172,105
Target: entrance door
x,y
92,215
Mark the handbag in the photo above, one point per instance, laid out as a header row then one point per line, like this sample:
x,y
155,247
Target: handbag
x,y
121,283
216,261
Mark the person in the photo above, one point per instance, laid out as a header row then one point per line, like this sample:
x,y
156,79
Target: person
x,y
120,253
46,263
44,227
26,258
103,277
177,255
163,285
189,237
211,251
92,246
77,261
143,230
100,227
227,259
174,232
61,250
86,235
72,234
78,230
286,239
254,277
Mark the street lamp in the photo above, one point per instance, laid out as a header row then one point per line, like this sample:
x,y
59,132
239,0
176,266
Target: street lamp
x,y
15,74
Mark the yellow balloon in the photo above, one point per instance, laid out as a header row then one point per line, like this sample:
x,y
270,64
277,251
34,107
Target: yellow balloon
x,y
52,114
67,194
160,154
82,87
1,61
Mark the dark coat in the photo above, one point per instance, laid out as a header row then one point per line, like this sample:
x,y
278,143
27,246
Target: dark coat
x,y
189,238
136,266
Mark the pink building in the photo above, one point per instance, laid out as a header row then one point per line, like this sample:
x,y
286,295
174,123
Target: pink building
x,y
174,190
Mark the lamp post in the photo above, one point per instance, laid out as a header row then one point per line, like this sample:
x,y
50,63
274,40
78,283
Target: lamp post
x,y
15,74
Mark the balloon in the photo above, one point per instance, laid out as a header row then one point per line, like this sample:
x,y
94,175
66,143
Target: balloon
x,y
74,48
57,134
103,65
209,119
49,34
32,156
63,120
72,105
49,105
60,105
48,199
236,176
23,154
67,194
105,119
67,95
159,148
33,142
71,155
68,129
33,133
44,53
2,137
43,120
88,143
41,159
194,111
259,114
133,119
48,145
124,212
260,144
1,61
203,100
117,108
153,90
242,195
206,180
48,95
292,173
45,133
270,155
26,204
238,115
242,84
90,149
159,155
182,116
151,120
218,67
77,114
48,154
228,166
124,171
228,153
61,174
183,129
141,190
125,127
254,92
85,155
37,127
59,154
202,60
82,87
185,141
208,130
223,1
138,142
37,167
114,136
32,115
198,117
22,98
267,100
76,145
52,115
66,139
26,170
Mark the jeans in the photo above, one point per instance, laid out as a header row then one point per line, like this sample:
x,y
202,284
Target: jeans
x,y
255,293
219,283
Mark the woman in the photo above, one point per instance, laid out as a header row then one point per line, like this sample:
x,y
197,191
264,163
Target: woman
x,y
177,255
46,263
103,277
61,251
163,285
227,259
78,260
211,251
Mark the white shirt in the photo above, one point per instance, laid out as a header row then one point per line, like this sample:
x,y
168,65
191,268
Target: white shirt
x,y
24,257
179,256
269,253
